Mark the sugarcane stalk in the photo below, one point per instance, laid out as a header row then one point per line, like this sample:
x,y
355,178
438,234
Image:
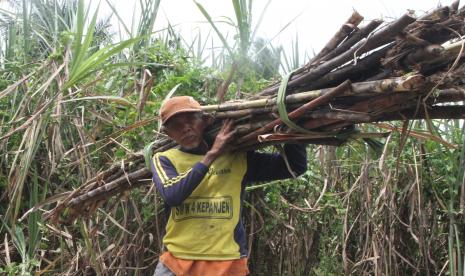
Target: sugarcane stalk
x,y
412,58
435,112
436,14
327,141
369,106
353,39
380,38
349,26
454,7
88,206
353,116
439,31
126,179
428,52
286,138
323,99
340,114
235,114
451,51
367,67
455,94
402,84
249,127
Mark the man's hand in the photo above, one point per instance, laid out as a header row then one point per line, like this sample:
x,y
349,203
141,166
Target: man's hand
x,y
221,143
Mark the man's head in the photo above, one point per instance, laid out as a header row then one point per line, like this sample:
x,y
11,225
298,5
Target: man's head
x,y
183,120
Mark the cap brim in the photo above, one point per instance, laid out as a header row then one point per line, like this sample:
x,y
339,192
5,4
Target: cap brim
x,y
187,110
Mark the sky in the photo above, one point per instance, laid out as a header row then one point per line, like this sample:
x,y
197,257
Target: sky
x,y
313,22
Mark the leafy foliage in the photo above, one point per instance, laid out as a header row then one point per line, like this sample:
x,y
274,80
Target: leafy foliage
x,y
73,102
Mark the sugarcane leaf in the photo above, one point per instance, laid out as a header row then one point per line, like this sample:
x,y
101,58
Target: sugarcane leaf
x,y
84,48
15,85
120,19
80,21
210,20
17,236
171,93
277,34
128,64
260,19
111,66
149,11
34,221
116,99
148,155
97,59
243,24
26,30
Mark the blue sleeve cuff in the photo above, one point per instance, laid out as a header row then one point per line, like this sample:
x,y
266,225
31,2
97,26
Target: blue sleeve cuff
x,y
200,167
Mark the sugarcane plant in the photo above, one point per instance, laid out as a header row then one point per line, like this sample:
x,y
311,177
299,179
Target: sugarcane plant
x,y
380,106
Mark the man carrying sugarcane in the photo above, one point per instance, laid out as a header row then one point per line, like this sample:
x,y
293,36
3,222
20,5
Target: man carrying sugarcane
x,y
202,185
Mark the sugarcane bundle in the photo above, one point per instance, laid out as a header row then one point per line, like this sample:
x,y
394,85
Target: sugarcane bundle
x,y
405,70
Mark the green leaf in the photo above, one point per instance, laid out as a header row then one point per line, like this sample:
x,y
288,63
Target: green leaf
x,y
116,99
97,59
83,49
210,20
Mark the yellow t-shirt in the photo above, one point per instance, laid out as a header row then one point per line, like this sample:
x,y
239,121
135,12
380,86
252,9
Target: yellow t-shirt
x,y
203,226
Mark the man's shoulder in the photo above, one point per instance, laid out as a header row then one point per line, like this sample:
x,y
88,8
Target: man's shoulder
x,y
236,156
170,153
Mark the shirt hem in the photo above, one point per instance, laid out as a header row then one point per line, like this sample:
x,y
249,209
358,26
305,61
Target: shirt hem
x,y
206,257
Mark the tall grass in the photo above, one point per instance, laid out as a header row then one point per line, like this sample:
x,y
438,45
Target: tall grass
x,y
43,136
74,103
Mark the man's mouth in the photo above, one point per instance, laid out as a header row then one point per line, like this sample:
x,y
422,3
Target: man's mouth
x,y
189,138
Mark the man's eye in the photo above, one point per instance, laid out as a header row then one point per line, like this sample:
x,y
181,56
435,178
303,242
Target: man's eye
x,y
172,125
191,118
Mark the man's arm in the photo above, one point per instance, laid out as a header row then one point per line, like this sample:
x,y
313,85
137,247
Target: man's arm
x,y
174,188
267,167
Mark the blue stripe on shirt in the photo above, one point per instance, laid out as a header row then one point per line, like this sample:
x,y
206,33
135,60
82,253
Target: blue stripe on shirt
x,y
174,188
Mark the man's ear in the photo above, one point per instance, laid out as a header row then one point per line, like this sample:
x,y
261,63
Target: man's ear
x,y
165,131
208,118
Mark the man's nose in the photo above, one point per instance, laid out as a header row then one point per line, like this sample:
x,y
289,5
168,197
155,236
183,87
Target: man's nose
x,y
186,127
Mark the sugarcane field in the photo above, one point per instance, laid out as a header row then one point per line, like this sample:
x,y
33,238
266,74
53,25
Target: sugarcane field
x,y
202,137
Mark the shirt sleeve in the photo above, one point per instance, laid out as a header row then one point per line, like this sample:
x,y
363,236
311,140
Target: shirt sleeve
x,y
174,188
268,167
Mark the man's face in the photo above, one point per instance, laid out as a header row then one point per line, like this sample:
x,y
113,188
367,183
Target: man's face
x,y
186,129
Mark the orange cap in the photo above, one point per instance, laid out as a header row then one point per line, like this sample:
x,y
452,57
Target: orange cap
x,y
176,105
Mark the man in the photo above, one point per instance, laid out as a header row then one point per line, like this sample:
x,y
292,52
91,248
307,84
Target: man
x,y
202,185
